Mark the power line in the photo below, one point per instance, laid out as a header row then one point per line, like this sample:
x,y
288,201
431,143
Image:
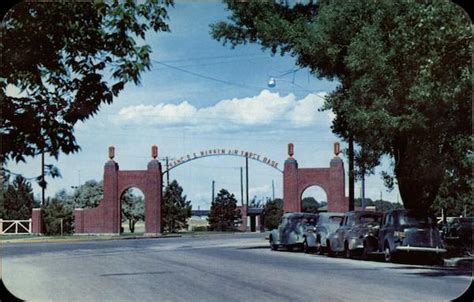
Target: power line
x,y
209,77
210,58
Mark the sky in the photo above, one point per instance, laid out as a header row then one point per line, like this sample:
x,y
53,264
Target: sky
x,y
201,95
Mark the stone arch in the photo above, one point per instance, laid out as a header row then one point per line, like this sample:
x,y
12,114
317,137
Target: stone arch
x,y
138,194
106,218
309,188
296,180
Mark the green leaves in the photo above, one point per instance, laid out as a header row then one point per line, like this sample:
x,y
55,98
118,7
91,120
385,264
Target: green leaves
x,y
17,200
59,56
405,76
272,213
175,209
224,215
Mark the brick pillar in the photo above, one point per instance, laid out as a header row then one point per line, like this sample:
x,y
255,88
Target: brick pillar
x,y
291,202
153,198
79,221
243,216
337,201
37,221
110,211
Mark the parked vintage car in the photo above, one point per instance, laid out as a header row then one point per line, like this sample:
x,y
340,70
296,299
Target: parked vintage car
x,y
356,235
315,236
409,231
291,229
461,228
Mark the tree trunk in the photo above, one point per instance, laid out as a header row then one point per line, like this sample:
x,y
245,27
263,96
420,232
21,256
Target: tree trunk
x,y
351,173
419,175
131,225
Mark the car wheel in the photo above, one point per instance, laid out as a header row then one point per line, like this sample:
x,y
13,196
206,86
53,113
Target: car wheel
x,y
273,247
306,248
319,248
366,251
387,253
347,252
331,253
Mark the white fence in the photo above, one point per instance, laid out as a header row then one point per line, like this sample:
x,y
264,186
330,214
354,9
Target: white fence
x,y
17,225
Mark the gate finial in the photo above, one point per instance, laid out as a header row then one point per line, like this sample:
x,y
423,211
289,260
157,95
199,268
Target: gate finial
x,y
337,148
154,151
291,149
111,152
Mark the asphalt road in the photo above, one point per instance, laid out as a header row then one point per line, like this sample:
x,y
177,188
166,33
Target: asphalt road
x,y
234,267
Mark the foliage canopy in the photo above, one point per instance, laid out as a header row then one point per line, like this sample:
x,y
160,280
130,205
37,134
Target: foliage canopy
x,y
224,215
176,209
405,75
61,61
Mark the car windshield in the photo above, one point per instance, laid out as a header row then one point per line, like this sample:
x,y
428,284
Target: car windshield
x,y
335,220
369,218
308,220
414,219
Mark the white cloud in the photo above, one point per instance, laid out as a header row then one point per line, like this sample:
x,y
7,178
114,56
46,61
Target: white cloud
x,y
264,109
260,192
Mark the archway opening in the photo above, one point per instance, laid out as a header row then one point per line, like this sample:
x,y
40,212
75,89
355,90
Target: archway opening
x,y
313,199
132,210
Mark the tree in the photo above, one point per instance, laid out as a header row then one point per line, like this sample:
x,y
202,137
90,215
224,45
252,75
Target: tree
x,y
176,209
309,205
57,218
18,200
133,209
256,203
87,195
64,60
224,215
272,213
405,81
380,205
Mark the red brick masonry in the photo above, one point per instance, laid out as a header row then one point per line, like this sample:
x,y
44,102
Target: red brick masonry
x,y
296,180
106,217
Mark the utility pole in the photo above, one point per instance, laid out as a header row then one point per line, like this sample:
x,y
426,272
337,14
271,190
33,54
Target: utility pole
x,y
351,173
247,180
363,192
168,173
273,190
242,186
213,185
42,178
380,195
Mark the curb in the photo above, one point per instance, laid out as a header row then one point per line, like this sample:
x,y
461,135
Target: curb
x,y
78,239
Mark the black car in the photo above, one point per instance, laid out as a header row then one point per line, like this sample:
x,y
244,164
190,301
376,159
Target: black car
x,y
409,231
458,235
356,235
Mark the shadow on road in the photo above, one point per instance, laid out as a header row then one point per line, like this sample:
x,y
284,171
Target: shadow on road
x,y
434,271
253,247
137,273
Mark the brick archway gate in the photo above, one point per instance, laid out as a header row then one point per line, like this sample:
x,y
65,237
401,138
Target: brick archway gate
x,y
296,180
106,218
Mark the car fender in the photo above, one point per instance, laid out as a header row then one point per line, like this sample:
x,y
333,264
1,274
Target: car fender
x,y
274,235
333,238
310,239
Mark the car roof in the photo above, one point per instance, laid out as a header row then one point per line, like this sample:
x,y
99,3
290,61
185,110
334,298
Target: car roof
x,y
331,214
398,211
364,213
299,214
